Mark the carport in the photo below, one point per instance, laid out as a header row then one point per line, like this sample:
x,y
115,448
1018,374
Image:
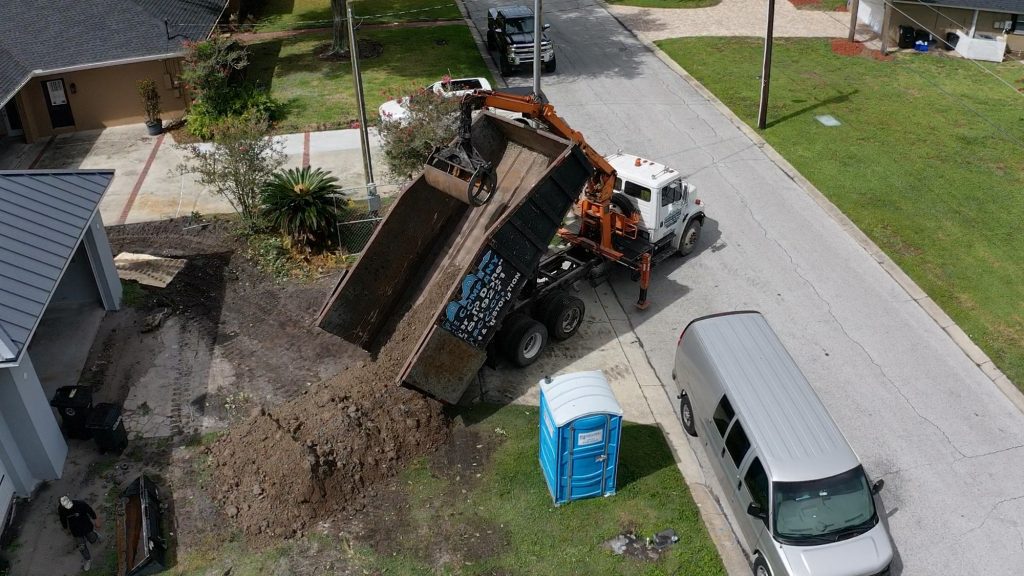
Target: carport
x,y
57,278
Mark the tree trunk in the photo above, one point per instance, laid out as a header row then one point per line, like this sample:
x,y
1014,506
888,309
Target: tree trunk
x,y
338,9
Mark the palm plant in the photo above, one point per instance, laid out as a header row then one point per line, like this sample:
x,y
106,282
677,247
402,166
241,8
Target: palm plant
x,y
303,205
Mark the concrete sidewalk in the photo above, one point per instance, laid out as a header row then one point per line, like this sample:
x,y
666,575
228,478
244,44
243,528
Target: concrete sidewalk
x,y
731,18
147,185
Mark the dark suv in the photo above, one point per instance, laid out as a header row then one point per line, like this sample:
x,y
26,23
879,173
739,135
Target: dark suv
x,y
510,33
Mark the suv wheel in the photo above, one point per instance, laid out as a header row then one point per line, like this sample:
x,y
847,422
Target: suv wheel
x,y
549,66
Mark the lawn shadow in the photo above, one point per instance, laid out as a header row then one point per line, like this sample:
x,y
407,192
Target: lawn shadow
x,y
837,99
642,452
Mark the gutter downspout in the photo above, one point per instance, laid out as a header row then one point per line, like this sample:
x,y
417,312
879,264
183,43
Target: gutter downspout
x,y
974,23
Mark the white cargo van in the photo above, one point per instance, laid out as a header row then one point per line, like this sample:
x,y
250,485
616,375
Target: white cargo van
x,y
801,498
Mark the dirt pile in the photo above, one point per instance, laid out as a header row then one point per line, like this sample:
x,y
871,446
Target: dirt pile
x,y
285,468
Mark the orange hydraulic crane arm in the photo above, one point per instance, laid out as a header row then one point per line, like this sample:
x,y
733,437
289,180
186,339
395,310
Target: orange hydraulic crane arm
x,y
604,180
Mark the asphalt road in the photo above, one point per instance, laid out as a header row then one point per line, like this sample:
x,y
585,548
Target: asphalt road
x,y
947,442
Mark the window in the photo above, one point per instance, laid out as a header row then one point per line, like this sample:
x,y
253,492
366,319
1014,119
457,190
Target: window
x,y
757,484
637,191
672,193
737,444
823,511
1018,24
618,184
723,415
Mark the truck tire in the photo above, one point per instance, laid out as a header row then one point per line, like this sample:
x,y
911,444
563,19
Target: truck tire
x,y
691,236
564,316
623,204
503,66
549,67
492,44
524,340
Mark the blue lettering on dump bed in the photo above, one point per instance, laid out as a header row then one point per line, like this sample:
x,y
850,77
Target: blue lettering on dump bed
x,y
485,293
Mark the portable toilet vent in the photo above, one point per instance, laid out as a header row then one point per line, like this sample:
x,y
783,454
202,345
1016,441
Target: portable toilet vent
x,y
580,426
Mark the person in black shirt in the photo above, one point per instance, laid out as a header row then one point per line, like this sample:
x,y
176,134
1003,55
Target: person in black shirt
x,y
79,518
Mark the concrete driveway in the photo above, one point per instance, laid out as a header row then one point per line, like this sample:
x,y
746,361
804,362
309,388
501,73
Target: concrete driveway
x,y
147,185
919,412
732,18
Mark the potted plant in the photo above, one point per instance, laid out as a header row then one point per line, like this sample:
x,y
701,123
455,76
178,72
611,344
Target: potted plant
x,y
151,104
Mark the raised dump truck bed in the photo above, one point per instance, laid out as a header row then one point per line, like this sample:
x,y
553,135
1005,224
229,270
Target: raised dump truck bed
x,y
480,256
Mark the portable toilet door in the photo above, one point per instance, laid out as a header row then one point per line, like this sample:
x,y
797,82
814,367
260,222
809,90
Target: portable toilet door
x,y
580,429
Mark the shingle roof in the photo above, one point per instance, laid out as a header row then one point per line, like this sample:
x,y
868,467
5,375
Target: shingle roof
x,y
42,35
43,217
1004,6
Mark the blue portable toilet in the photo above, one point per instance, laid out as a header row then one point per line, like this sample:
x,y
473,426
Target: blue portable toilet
x,y
580,427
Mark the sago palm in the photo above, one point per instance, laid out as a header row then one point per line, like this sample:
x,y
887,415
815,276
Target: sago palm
x,y
303,204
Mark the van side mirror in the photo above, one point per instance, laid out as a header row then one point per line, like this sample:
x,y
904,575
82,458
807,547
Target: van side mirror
x,y
877,486
546,26
756,511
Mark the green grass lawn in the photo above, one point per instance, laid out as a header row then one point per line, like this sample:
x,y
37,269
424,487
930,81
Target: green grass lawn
x,y
534,537
319,94
296,14
914,163
666,3
480,506
820,5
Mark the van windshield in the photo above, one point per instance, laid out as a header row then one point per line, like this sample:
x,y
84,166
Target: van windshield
x,y
822,511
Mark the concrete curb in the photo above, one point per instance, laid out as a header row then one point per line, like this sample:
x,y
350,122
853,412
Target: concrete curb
x,y
481,46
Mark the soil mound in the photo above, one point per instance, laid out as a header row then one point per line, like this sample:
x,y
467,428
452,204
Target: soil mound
x,y
285,468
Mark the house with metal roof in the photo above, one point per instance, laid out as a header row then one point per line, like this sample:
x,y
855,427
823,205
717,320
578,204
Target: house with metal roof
x,y
54,255
977,29
67,66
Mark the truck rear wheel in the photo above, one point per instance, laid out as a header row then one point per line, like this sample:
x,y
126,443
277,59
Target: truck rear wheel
x,y
523,340
492,44
563,316
503,66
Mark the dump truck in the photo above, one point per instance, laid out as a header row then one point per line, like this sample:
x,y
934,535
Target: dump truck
x,y
479,228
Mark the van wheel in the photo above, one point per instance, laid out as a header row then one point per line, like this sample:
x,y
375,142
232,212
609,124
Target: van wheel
x,y
563,316
691,235
686,416
524,340
761,567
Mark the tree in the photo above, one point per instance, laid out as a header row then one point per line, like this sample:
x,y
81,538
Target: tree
x,y
241,159
339,12
431,120
303,205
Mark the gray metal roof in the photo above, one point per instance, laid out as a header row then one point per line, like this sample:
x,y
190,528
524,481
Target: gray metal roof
x,y
1003,6
43,217
41,35
781,414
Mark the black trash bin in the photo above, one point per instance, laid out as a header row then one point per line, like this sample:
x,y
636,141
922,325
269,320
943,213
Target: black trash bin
x,y
951,39
907,37
74,404
107,428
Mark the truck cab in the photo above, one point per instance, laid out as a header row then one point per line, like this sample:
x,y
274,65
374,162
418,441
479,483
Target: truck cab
x,y
510,34
671,214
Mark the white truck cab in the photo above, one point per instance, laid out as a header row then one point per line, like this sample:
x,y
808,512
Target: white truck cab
x,y
670,213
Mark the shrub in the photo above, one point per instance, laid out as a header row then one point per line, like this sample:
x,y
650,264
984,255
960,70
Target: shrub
x,y
303,205
240,161
432,121
150,99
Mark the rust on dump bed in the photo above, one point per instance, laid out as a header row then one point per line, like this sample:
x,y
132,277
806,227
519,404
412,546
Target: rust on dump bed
x,y
428,231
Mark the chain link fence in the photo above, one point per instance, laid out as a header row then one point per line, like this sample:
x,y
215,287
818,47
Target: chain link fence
x,y
363,214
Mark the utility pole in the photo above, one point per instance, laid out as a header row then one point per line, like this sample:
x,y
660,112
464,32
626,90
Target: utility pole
x,y
373,200
538,30
854,6
766,68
